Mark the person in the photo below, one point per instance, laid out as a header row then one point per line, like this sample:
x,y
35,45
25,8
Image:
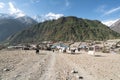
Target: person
x,y
37,51
53,50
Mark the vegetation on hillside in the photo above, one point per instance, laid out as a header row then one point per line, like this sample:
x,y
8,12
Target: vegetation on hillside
x,y
65,29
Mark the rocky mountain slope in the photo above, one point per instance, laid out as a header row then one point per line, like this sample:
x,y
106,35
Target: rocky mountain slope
x,y
10,25
116,26
65,29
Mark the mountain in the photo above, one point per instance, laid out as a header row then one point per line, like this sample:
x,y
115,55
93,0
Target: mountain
x,y
65,29
116,26
4,16
110,22
27,20
9,25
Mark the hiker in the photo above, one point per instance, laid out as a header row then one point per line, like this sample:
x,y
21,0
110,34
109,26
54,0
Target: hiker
x,y
53,50
37,51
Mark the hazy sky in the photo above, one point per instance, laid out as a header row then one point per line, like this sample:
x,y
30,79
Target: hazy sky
x,y
103,10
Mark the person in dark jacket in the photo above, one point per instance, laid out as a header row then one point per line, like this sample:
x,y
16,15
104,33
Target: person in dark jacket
x,y
37,51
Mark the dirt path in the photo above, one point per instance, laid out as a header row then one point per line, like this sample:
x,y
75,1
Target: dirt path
x,y
26,65
50,72
69,70
30,67
99,67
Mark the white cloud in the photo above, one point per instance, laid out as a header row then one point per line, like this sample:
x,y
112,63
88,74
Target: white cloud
x,y
49,16
67,3
35,1
112,11
101,9
38,18
2,5
109,22
15,11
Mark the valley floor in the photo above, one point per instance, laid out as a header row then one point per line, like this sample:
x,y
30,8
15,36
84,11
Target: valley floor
x,y
48,65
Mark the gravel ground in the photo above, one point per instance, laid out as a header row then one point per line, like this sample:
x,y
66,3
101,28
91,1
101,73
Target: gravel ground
x,y
26,65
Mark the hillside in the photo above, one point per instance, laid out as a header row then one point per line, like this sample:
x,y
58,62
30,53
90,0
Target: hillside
x,y
65,29
9,25
116,26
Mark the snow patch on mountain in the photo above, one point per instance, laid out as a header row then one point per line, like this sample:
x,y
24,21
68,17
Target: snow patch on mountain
x,y
109,22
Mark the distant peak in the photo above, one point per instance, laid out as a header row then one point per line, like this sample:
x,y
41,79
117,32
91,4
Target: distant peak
x,y
110,22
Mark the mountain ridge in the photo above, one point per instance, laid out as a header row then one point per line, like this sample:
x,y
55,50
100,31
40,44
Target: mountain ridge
x,y
65,29
116,26
9,25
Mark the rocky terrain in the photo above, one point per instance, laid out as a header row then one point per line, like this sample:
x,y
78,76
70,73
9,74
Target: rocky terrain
x,y
116,26
48,65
